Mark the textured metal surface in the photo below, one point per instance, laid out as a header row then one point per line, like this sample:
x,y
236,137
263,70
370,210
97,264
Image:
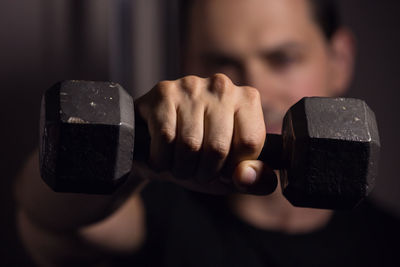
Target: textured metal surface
x,y
86,136
332,146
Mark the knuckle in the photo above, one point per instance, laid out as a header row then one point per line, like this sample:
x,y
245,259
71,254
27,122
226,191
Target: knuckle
x,y
251,94
190,80
220,83
165,88
191,143
191,84
167,134
218,148
250,143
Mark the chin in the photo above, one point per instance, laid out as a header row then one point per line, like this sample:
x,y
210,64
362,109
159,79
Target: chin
x,y
274,129
273,126
273,121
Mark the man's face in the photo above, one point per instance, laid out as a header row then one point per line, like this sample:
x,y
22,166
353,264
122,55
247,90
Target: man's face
x,y
274,46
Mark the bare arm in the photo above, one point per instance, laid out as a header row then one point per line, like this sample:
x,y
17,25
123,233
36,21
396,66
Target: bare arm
x,y
59,228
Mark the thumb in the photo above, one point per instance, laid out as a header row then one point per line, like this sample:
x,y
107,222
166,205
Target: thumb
x,y
254,177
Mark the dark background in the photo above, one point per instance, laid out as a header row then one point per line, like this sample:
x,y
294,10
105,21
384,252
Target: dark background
x,y
44,41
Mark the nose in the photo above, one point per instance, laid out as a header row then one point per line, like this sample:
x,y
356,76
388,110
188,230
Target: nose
x,y
255,73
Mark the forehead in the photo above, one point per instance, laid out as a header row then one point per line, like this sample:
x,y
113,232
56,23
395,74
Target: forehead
x,y
236,24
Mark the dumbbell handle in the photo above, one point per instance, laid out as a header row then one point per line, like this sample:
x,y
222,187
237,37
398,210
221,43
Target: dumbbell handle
x,y
272,152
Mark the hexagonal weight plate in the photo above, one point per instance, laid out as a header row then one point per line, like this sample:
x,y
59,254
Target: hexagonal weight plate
x,y
87,135
336,145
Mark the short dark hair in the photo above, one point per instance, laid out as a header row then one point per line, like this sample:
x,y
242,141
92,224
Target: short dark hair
x,y
325,13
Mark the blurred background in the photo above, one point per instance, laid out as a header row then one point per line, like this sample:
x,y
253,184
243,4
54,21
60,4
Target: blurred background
x,y
135,43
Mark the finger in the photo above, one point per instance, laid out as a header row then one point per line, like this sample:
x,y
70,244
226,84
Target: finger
x,y
162,129
218,131
189,139
249,129
254,177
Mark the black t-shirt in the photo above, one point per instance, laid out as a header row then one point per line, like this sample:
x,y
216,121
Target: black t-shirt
x,y
192,229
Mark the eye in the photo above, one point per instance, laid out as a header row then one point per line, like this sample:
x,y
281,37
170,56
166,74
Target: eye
x,y
223,62
220,63
281,60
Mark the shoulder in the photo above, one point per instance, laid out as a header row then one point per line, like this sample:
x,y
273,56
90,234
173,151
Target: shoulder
x,y
368,233
372,216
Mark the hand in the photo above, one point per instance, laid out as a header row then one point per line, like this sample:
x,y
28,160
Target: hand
x,y
206,135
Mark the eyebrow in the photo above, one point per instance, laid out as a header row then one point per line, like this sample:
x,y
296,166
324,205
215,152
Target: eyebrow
x,y
286,46
290,46
212,55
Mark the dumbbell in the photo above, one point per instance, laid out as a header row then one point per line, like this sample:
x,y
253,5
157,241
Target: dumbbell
x,y
327,155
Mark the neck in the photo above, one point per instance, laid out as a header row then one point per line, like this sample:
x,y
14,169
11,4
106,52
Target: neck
x,y
274,212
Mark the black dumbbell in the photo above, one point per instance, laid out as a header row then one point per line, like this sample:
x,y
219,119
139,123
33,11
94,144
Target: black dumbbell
x,y
327,155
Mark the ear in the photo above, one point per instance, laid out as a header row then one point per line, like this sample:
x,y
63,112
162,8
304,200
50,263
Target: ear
x,y
342,47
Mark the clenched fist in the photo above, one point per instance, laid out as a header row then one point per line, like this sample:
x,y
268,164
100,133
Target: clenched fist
x,y
206,135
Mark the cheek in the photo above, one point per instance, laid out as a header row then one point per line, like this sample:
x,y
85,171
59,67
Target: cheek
x,y
285,89
310,84
311,80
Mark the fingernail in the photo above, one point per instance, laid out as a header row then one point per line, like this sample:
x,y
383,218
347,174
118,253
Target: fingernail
x,y
249,175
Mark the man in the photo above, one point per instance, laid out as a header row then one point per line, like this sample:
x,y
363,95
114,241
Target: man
x,y
261,56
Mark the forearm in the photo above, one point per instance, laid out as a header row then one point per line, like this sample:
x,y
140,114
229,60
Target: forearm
x,y
93,245
64,211
48,248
